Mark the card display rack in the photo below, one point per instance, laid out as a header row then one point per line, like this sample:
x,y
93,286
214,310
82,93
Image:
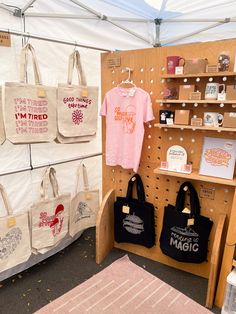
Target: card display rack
x,y
148,72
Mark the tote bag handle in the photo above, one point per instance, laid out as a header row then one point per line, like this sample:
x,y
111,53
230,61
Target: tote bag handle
x,y
6,200
24,63
49,178
75,62
194,200
139,186
82,168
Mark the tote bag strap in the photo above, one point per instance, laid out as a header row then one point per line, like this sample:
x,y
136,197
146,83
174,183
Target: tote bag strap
x,y
49,178
6,200
82,168
74,62
194,200
139,186
24,63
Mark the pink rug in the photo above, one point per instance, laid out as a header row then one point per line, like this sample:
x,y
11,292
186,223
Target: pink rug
x,y
126,288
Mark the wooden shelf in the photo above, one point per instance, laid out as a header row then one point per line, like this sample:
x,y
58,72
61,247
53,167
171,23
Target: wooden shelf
x,y
217,74
195,176
201,101
190,127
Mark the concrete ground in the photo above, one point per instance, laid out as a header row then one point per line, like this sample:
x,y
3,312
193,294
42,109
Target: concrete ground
x,y
46,281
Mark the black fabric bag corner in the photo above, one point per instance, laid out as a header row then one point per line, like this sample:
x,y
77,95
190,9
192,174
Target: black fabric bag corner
x,y
185,243
134,218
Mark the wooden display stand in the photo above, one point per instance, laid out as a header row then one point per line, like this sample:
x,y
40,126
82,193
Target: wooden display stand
x,y
217,196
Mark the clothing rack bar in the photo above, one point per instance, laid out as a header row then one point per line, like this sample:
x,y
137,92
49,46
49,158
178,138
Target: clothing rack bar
x,y
59,162
54,40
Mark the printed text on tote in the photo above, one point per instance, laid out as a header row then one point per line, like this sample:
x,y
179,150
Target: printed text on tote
x,y
31,116
79,104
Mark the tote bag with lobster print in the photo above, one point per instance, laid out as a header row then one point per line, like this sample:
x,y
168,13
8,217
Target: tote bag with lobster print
x,y
15,245
77,107
84,205
29,110
49,216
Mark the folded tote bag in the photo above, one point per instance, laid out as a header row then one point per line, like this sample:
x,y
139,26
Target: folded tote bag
x,y
77,107
134,219
15,245
2,128
29,110
84,205
49,216
184,236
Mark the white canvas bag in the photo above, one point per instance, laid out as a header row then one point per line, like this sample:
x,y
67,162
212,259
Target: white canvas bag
x,y
49,216
77,107
29,110
84,205
15,245
2,129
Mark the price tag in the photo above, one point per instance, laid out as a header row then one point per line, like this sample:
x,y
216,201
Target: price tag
x,y
41,93
186,211
84,92
88,196
190,221
125,209
11,222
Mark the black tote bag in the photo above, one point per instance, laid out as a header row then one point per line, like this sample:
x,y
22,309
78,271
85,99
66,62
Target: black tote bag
x,y
184,237
134,218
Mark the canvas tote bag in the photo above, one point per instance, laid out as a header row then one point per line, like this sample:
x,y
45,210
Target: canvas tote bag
x,y
134,219
184,237
15,245
29,110
77,107
49,216
84,205
2,129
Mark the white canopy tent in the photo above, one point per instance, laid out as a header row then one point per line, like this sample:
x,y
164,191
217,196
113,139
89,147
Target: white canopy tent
x,y
54,28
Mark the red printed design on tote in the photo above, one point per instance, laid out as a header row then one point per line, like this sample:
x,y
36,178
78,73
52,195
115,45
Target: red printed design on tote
x,y
31,115
77,116
55,222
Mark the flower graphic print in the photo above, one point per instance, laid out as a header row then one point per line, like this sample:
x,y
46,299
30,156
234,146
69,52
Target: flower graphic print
x,y
77,116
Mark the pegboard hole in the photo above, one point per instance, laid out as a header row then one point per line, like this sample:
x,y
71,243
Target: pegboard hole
x,y
157,188
149,136
167,180
167,200
141,70
147,186
120,190
156,197
151,81
149,125
141,81
149,147
113,82
225,202
159,147
151,69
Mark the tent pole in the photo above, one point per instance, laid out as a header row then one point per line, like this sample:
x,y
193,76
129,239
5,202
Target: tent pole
x,y
83,17
105,18
58,41
59,162
26,7
7,8
167,42
158,30
197,20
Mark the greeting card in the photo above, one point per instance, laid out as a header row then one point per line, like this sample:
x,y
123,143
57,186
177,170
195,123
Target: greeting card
x,y
218,157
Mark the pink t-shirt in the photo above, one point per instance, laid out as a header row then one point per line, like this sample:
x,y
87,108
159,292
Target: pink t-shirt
x,y
126,109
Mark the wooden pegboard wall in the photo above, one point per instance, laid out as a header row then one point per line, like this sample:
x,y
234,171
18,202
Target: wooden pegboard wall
x,y
147,66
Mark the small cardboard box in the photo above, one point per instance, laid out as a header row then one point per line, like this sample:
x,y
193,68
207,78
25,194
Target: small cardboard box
x,y
195,66
185,90
231,92
183,117
229,120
